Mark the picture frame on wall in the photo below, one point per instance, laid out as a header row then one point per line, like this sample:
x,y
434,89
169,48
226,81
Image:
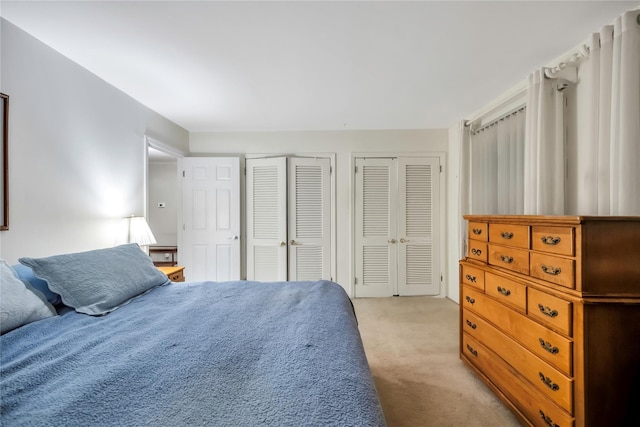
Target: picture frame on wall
x,y
4,159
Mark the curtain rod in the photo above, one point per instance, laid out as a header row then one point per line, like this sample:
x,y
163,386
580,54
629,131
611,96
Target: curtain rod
x,y
495,121
568,69
513,98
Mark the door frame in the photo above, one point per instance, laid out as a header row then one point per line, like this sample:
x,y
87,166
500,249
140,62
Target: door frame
x,y
332,162
149,142
442,156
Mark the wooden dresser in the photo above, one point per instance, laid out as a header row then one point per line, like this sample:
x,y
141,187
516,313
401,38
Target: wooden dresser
x,y
175,273
550,316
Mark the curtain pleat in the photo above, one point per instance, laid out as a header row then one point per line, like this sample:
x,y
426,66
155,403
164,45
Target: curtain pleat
x,y
625,116
544,157
497,163
609,161
602,132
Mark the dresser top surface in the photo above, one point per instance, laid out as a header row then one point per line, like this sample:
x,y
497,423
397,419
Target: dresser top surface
x,y
550,219
171,269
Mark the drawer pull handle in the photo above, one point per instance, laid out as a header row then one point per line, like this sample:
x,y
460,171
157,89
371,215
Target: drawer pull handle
x,y
551,270
471,278
504,291
471,324
550,240
548,421
547,311
548,346
470,300
506,235
477,231
476,252
547,381
472,351
507,259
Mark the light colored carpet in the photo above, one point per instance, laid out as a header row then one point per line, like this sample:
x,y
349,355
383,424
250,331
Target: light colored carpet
x,y
412,348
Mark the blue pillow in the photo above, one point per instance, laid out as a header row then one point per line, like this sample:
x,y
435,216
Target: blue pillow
x,y
25,274
19,304
99,281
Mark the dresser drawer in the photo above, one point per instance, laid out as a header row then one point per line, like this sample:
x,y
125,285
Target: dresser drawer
x,y
471,322
560,271
545,343
551,347
506,291
510,258
473,277
174,273
478,231
554,240
549,381
541,411
473,299
478,250
509,235
550,310
176,277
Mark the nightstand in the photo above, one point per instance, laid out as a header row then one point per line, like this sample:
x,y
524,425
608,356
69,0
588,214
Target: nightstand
x,y
175,274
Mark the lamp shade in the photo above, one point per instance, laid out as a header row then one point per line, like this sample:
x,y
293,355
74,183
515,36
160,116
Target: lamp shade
x,y
139,231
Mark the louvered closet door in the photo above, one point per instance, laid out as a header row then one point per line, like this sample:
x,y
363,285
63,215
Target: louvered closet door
x,y
266,219
418,272
376,222
309,219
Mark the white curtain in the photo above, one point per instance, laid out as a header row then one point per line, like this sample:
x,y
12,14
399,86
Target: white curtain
x,y
544,152
609,160
497,162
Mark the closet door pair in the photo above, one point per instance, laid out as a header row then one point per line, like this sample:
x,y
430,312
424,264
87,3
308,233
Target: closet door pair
x,y
396,226
288,219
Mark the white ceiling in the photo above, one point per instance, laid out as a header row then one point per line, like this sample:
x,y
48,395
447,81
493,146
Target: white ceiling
x,y
302,65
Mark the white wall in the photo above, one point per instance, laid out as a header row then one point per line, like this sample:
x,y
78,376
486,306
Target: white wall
x,y
76,151
343,144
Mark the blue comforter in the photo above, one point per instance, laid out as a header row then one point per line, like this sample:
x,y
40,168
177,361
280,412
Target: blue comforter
x,y
220,354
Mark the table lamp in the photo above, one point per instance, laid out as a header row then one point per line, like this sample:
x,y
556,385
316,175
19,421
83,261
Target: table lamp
x,y
139,232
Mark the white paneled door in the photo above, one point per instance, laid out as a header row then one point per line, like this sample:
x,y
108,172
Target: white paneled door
x,y
288,218
397,226
211,218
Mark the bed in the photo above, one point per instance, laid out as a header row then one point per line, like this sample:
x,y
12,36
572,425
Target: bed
x,y
223,354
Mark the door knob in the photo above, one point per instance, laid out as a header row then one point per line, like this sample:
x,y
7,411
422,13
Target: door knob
x,y
283,243
293,242
403,240
391,241
233,238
